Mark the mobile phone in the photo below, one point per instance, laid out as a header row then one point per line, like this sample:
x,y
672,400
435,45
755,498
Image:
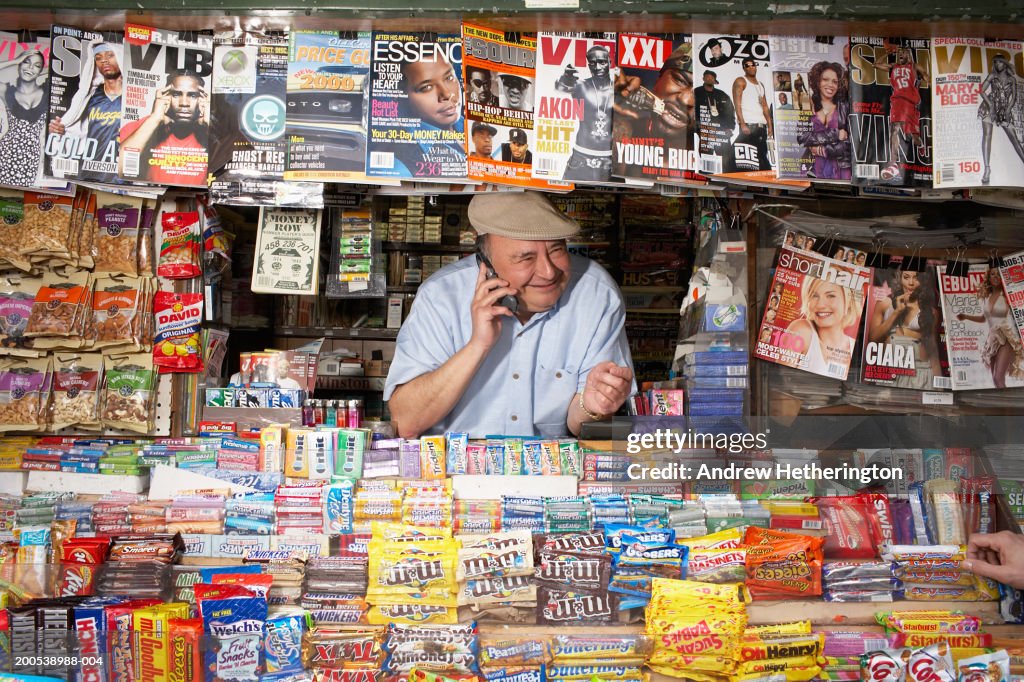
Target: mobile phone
x,y
509,301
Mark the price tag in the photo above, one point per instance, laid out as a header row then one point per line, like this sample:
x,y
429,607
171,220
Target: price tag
x,y
358,286
937,398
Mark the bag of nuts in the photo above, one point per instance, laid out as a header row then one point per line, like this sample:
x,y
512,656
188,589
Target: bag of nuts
x,y
129,393
89,228
25,385
117,307
12,215
179,246
47,226
17,295
116,248
147,226
59,310
76,390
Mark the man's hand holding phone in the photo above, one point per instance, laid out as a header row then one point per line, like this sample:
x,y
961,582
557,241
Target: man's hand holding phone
x,y
489,307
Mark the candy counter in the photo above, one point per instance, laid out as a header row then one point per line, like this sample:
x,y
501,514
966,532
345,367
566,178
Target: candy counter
x,y
503,559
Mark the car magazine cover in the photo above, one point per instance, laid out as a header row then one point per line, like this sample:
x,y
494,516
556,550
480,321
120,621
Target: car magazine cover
x,y
500,139
287,248
733,94
903,330
165,115
891,111
24,86
812,137
655,128
85,105
248,147
978,109
417,126
327,96
982,340
813,313
1012,271
573,114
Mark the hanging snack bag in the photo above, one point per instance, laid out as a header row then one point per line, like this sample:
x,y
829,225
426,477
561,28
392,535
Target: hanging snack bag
x,y
59,309
76,389
116,245
12,229
17,296
179,246
25,385
116,311
147,226
176,347
129,393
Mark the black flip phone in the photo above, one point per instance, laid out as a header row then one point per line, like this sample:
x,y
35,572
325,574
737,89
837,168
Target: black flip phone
x,y
510,302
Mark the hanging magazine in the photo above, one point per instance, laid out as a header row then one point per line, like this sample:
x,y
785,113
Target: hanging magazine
x,y
978,108
903,331
655,127
733,97
813,313
248,146
573,116
1012,272
506,117
890,111
85,105
24,81
813,137
416,118
165,116
327,94
287,259
983,342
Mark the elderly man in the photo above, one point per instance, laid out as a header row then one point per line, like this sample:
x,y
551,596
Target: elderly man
x,y
466,362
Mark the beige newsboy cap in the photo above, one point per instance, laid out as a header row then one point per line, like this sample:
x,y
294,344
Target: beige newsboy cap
x,y
520,215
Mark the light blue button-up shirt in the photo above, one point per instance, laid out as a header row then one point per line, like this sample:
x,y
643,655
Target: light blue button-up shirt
x,y
527,381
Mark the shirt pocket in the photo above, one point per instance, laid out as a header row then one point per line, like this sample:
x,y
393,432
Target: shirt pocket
x,y
555,388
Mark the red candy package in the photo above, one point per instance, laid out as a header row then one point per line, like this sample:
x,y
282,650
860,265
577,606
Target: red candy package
x,y
883,531
177,346
179,246
849,528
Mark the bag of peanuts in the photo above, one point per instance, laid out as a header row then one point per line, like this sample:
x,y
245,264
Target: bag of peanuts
x,y
17,295
176,346
25,385
47,226
89,229
147,226
129,392
59,310
117,235
77,237
117,309
76,390
12,214
179,246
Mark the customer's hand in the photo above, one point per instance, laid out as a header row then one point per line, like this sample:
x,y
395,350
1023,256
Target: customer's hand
x,y
608,386
999,556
